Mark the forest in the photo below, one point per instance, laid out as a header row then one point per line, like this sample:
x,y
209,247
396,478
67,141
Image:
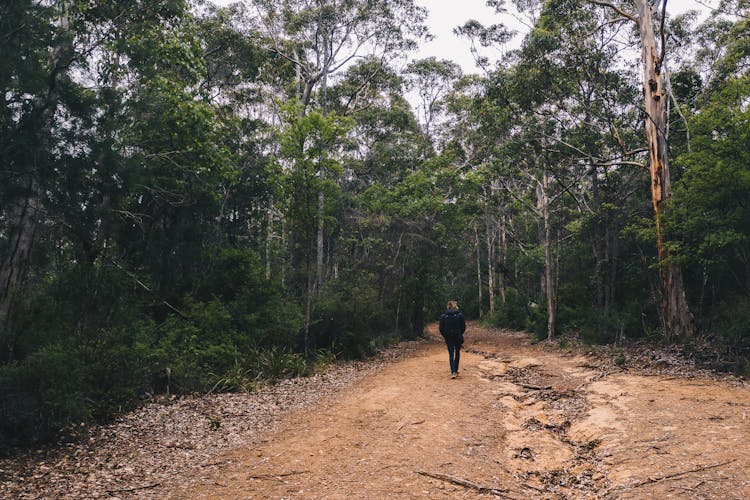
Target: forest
x,y
200,198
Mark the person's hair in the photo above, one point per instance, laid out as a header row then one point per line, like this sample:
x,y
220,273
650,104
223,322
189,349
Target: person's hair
x,y
452,304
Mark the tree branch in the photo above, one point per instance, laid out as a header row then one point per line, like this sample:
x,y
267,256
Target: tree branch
x,y
615,8
663,36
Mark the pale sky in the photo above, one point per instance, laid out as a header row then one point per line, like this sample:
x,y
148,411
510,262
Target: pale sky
x,y
445,15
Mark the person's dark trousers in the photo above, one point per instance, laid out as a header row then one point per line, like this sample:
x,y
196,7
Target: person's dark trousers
x,y
454,354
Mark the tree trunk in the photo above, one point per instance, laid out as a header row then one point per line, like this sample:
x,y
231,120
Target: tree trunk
x,y
400,296
418,316
549,286
320,243
676,316
269,239
479,272
490,237
13,269
612,253
298,75
597,245
503,249
25,205
319,274
308,305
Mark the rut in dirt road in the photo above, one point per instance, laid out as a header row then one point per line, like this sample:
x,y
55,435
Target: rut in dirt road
x,y
519,422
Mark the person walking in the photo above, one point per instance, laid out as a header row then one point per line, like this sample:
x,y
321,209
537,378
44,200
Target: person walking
x,y
452,328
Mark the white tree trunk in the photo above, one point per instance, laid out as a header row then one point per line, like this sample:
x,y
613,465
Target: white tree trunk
x,y
502,247
490,237
549,286
479,271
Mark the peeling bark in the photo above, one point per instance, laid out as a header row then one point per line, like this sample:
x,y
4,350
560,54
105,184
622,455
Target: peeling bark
x,y
676,316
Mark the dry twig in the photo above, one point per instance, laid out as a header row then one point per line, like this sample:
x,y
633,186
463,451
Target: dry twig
x,y
275,476
417,422
136,488
677,474
465,483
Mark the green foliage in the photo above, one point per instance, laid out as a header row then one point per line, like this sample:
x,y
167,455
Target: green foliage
x,y
182,209
46,393
66,383
277,363
514,313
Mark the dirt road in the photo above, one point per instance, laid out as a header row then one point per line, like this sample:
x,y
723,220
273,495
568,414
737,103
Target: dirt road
x,y
519,422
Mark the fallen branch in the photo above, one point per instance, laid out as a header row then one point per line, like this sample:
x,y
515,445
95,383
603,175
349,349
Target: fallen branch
x,y
274,476
136,488
677,474
463,482
211,464
536,387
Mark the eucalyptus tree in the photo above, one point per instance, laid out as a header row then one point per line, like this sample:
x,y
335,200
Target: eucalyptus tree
x,y
432,80
388,144
40,52
321,38
675,312
478,124
310,143
556,129
601,123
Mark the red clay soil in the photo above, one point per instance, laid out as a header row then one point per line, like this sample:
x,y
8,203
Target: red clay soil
x,y
520,421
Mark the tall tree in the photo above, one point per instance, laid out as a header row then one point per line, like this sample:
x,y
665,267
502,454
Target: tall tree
x,y
323,37
432,80
675,312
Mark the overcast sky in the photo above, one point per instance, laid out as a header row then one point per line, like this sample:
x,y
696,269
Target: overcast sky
x,y
445,15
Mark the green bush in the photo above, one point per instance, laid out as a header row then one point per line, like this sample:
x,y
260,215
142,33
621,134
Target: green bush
x,y
236,379
514,313
349,317
45,393
277,363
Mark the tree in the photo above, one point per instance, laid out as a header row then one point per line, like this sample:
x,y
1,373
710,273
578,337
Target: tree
x,y
432,79
53,115
675,312
323,37
309,142
710,213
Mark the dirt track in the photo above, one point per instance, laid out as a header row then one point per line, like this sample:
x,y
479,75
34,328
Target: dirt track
x,y
519,422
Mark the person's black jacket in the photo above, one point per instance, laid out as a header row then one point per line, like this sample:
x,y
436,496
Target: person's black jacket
x,y
453,326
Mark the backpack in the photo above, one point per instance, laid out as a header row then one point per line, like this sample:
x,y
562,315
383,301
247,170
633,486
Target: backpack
x,y
450,327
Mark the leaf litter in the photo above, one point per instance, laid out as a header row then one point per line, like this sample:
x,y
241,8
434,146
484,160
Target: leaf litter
x,y
171,439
